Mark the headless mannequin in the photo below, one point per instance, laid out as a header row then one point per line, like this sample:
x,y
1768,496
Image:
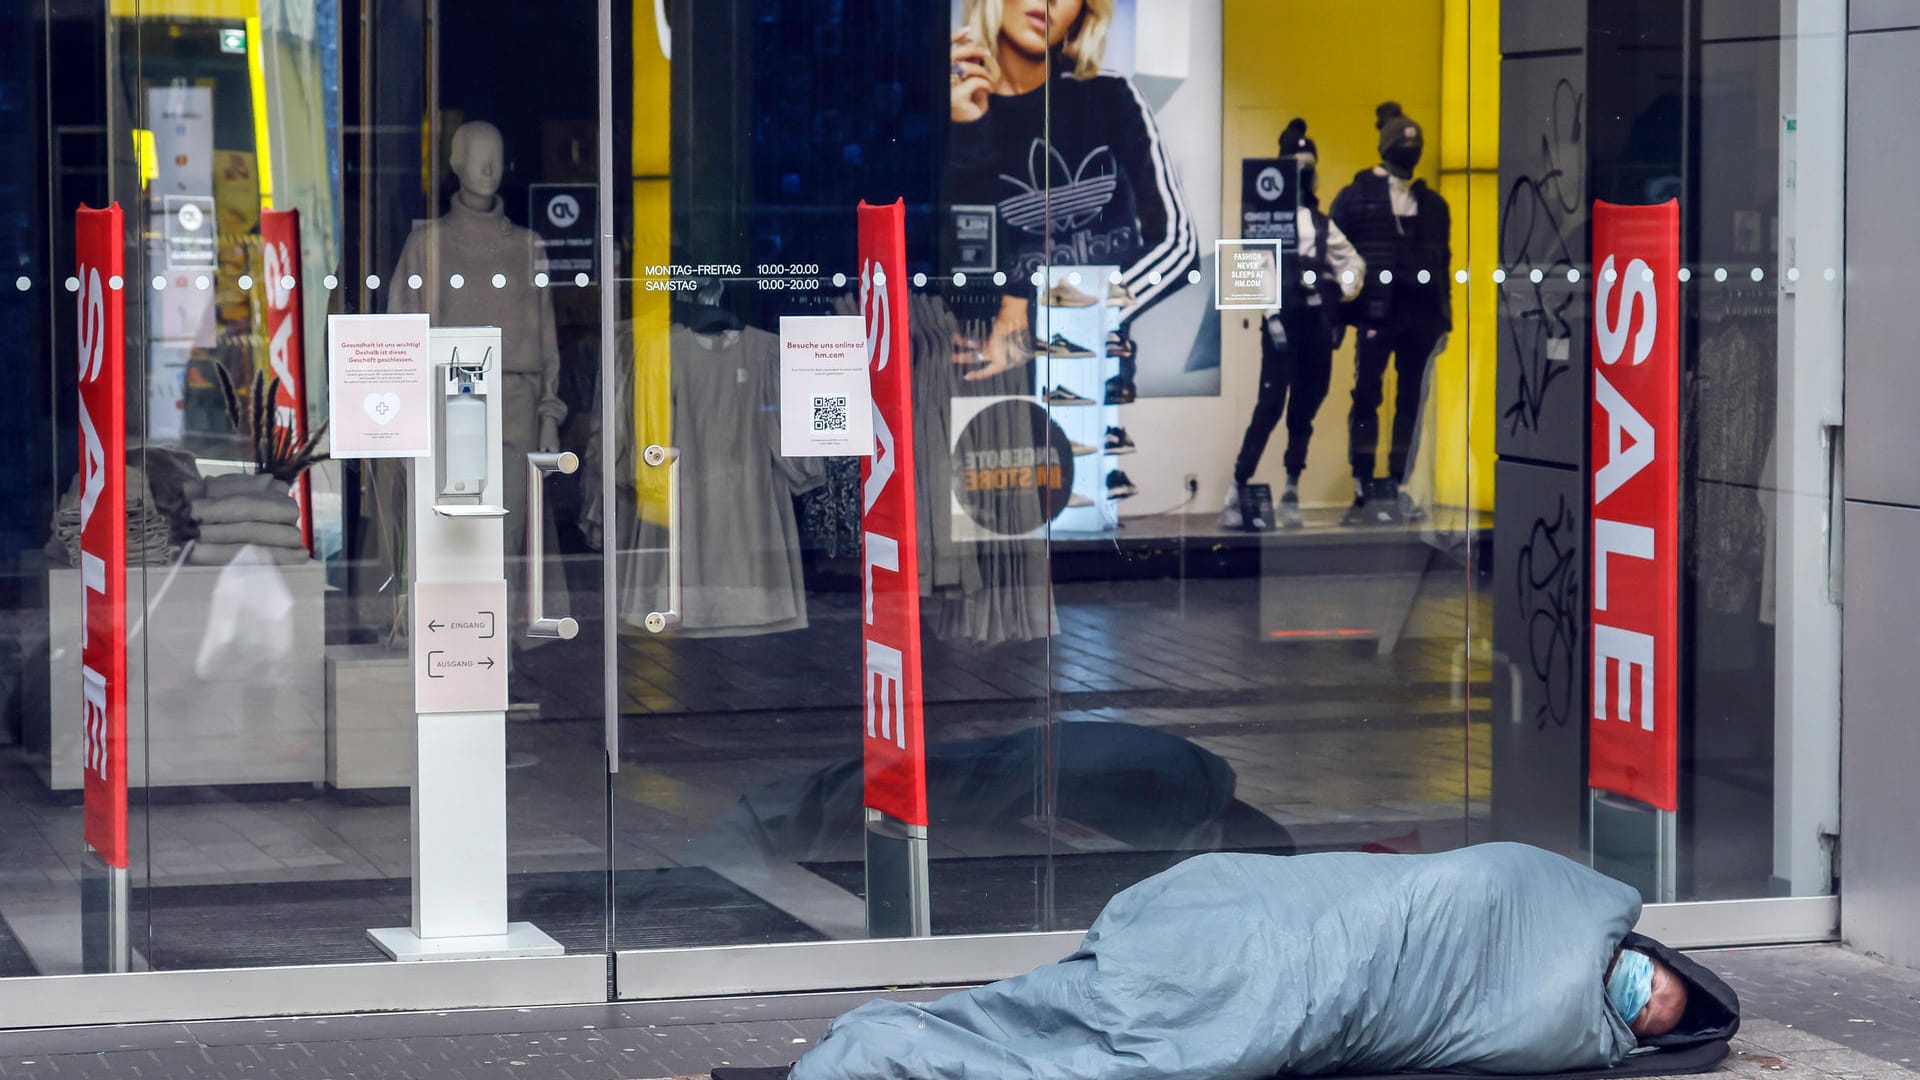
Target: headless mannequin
x,y
475,240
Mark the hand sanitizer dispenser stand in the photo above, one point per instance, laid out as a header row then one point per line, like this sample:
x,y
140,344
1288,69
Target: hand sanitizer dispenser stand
x,y
458,599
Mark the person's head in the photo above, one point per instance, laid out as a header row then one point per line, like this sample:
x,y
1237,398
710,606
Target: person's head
x,y
1295,144
1648,994
1400,139
1033,28
478,158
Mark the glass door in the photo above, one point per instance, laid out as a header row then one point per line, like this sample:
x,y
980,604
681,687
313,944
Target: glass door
x,y
363,621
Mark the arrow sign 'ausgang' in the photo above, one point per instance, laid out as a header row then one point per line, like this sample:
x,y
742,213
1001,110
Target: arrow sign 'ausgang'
x,y
465,670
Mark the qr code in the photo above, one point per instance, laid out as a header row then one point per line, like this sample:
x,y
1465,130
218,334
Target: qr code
x,y
829,413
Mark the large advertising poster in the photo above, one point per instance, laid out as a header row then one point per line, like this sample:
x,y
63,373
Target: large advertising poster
x,y
100,297
280,259
1097,171
894,754
1635,592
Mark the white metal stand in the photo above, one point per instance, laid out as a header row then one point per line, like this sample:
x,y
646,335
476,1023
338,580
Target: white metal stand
x,y
459,778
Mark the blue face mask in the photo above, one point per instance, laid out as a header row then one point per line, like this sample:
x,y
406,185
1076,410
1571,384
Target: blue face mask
x,y
1631,985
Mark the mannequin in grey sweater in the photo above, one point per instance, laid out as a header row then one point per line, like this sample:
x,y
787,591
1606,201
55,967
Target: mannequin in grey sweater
x,y
475,241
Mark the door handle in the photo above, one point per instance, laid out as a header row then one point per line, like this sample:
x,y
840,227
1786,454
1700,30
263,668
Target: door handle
x,y
539,623
656,456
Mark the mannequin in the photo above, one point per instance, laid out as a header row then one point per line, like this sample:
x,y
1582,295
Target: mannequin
x,y
1401,227
1297,340
475,240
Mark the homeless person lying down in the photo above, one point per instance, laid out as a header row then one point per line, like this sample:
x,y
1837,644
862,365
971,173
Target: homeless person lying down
x,y
1500,958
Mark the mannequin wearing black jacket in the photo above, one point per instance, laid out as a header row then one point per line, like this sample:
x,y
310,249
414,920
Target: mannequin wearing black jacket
x,y
1402,228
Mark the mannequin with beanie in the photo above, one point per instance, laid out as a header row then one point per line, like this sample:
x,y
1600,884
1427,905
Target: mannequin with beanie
x,y
1402,229
1297,340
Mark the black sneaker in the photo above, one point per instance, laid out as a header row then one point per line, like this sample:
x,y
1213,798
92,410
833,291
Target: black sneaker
x,y
1119,487
1060,395
1289,509
1120,391
1059,348
1118,441
1119,346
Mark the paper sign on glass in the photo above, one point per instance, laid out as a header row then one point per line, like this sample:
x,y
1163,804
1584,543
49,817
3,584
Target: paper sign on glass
x,y
826,398
378,386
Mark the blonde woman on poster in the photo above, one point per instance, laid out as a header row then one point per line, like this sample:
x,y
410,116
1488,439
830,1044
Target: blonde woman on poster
x,y
1068,157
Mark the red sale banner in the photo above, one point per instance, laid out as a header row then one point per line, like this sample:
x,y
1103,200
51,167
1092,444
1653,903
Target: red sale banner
x,y
103,528
280,266
1635,503
896,762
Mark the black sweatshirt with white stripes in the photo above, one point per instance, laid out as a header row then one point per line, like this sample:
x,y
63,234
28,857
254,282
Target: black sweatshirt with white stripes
x,y
1105,188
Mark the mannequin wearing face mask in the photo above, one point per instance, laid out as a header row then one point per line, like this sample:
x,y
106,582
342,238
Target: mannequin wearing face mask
x,y
1401,227
474,240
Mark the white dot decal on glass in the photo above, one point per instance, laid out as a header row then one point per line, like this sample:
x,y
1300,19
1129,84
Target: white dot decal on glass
x,y
1793,273
1827,273
1686,274
1386,277
159,283
457,280
413,281
999,278
1423,277
1719,273
499,281
373,281
1309,278
73,284
1113,277
201,283
919,281
1193,277
1611,275
1153,278
1572,276
23,283
1346,277
245,283
116,283
580,279
1499,276
1460,276
959,279
1035,279
839,281
1757,274
1536,275
1073,278
540,280
330,282
1646,274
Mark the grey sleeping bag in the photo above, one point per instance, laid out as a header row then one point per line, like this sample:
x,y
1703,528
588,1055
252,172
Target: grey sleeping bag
x,y
1487,959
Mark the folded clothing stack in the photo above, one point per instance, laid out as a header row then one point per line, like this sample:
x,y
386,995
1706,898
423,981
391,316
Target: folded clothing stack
x,y
236,511
148,538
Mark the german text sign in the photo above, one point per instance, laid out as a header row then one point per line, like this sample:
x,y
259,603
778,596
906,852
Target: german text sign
x,y
459,646
1635,583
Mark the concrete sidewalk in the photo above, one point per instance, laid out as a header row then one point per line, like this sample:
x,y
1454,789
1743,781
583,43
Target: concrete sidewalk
x,y
1809,1012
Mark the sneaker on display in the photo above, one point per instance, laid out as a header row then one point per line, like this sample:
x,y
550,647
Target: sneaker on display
x,y
1410,511
1120,296
1118,441
1230,517
1119,347
1290,509
1063,294
1120,391
1077,499
1060,395
1059,348
1383,503
1119,487
1081,449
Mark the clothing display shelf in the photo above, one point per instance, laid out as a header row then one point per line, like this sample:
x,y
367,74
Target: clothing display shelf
x,y
1085,326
